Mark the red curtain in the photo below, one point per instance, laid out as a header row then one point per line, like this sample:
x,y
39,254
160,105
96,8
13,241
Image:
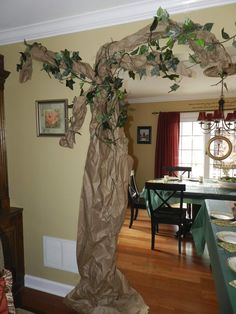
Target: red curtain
x,y
167,142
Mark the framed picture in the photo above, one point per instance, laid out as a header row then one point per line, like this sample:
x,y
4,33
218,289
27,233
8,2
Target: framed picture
x,y
144,134
51,117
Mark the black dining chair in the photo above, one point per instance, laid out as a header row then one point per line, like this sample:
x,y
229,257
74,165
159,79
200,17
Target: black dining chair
x,y
136,202
175,171
161,210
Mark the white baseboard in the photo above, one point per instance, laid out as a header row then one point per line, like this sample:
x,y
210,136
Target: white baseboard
x,y
49,286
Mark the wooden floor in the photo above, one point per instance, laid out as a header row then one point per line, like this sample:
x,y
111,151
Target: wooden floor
x,y
168,283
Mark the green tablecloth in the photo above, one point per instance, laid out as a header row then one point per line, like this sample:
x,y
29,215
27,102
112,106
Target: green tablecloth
x,y
204,232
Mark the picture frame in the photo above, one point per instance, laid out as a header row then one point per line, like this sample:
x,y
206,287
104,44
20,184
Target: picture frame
x,y
51,117
144,134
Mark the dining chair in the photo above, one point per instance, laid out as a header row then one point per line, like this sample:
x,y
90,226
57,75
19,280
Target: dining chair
x,y
175,171
135,200
162,211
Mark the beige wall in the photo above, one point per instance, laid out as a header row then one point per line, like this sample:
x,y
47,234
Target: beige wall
x,y
44,178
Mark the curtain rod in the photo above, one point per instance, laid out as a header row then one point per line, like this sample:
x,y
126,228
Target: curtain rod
x,y
189,111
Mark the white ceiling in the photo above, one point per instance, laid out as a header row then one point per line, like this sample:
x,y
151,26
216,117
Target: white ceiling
x,y
31,19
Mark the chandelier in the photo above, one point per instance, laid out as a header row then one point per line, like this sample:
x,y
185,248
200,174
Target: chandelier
x,y
216,120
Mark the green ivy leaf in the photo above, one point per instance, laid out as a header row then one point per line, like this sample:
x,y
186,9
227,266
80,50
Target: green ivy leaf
x,y
75,56
224,34
118,82
151,57
188,25
208,27
162,15
90,96
132,74
18,67
155,70
143,49
154,24
170,43
81,92
142,73
134,52
23,56
200,42
182,39
70,83
82,76
173,87
171,77
167,55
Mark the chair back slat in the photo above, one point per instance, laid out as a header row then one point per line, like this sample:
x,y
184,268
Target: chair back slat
x,y
175,170
164,192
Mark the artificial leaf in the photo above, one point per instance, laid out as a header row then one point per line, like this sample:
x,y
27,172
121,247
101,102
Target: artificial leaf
x,y
154,24
151,57
143,49
170,43
134,52
70,83
155,70
23,56
142,72
208,27
18,67
90,96
182,39
171,76
224,34
188,25
162,15
173,87
200,42
75,56
132,75
118,82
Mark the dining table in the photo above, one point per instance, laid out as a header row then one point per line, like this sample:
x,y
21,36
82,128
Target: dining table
x,y
215,214
215,227
197,191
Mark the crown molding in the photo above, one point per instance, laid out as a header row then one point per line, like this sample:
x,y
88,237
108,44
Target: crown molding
x,y
165,98
137,11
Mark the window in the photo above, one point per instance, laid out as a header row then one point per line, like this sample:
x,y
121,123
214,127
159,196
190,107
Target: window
x,y
192,149
192,144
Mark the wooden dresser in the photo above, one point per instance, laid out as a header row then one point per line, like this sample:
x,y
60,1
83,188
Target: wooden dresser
x,y
11,225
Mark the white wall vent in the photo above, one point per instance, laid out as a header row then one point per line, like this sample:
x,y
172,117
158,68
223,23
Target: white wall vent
x,y
60,254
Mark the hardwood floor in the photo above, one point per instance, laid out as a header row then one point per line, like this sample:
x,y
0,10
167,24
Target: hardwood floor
x,y
168,283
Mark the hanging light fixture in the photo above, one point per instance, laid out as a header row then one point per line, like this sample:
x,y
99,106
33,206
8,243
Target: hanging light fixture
x,y
216,120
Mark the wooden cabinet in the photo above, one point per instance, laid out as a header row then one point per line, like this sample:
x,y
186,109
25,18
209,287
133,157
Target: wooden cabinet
x,y
11,234
11,226
4,195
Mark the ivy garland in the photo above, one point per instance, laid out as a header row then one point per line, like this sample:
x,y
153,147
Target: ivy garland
x,y
112,85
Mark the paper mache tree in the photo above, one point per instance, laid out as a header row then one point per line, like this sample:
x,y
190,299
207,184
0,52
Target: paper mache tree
x,y
102,288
